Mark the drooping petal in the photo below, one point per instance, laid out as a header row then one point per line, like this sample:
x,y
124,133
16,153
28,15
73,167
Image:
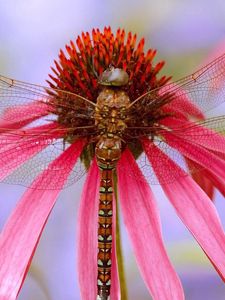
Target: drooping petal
x,y
87,235
87,240
193,207
181,103
218,182
22,231
142,221
196,133
16,149
206,159
201,178
12,137
215,181
21,115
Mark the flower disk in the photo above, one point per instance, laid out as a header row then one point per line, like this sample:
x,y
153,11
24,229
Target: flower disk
x,y
78,71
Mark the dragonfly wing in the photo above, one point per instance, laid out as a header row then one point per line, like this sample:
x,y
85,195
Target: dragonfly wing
x,y
205,88
30,135
201,142
185,99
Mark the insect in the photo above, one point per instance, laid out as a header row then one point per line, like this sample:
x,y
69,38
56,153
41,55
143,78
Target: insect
x,y
109,123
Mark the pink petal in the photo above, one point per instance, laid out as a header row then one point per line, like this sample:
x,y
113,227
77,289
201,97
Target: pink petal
x,y
213,163
21,115
87,235
87,240
214,180
201,178
142,221
22,231
194,208
181,103
197,134
16,149
12,137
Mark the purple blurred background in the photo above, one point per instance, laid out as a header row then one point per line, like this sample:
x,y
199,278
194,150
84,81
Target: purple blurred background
x,y
31,34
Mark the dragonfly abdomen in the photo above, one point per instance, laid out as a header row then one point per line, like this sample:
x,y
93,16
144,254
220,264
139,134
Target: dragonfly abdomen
x,y
108,151
105,214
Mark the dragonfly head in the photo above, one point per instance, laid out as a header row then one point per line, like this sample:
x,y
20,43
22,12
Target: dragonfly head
x,y
113,77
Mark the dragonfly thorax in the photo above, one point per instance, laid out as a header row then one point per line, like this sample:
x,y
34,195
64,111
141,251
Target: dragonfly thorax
x,y
110,119
111,112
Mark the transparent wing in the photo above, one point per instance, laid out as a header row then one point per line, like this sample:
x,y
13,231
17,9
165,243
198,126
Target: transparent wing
x,y
17,94
205,88
30,139
184,144
191,96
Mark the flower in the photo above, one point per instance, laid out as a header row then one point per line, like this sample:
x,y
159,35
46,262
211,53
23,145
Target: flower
x,y
156,131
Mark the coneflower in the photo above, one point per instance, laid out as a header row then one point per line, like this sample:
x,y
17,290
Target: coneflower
x,y
107,111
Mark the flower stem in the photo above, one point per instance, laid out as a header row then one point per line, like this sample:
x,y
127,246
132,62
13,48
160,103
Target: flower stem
x,y
119,253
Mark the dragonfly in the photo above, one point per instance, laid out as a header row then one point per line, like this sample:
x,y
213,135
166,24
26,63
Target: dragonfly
x,y
109,124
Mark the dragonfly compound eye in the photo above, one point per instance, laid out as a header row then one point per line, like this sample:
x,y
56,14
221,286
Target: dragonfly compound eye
x,y
114,77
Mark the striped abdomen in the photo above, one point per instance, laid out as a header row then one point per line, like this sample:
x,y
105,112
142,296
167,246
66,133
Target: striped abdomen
x,y
107,152
105,214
